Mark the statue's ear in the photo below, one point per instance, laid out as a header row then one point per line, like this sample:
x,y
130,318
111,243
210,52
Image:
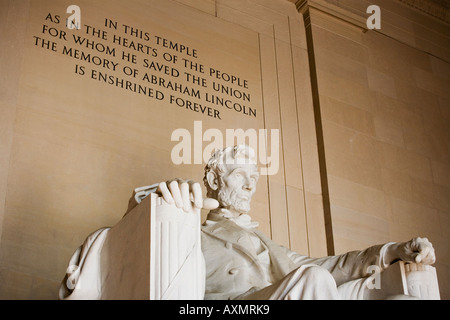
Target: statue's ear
x,y
212,180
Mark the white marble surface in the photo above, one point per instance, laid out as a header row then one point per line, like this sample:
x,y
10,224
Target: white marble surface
x,y
157,250
153,252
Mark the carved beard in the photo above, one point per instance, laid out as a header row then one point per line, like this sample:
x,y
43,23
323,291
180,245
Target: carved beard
x,y
230,200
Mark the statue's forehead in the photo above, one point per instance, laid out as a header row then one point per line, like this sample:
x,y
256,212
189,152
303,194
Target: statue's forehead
x,y
249,167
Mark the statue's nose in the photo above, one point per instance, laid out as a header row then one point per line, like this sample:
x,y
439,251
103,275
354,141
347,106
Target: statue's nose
x,y
248,186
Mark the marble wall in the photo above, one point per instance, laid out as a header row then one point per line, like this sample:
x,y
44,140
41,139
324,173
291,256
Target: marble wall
x,y
88,115
383,97
362,117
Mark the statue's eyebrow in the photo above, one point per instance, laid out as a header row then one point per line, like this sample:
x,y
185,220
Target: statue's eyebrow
x,y
254,174
240,168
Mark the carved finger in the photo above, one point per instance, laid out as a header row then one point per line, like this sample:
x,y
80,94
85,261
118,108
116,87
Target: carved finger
x,y
430,258
175,190
197,193
185,196
162,188
210,204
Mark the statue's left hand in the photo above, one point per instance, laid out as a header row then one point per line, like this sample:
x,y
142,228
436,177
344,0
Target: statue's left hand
x,y
418,250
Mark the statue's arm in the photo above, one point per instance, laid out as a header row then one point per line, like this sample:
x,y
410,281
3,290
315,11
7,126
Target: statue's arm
x,y
355,264
358,264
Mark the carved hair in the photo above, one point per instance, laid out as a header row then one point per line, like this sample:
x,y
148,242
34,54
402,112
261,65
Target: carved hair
x,y
235,154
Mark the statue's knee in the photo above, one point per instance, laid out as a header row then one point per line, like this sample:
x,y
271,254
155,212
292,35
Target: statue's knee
x,y
319,275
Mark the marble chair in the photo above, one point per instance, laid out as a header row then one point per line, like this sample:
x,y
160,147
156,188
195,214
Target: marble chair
x,y
405,278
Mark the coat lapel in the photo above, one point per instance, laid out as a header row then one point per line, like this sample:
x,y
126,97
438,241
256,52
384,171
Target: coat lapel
x,y
281,263
228,231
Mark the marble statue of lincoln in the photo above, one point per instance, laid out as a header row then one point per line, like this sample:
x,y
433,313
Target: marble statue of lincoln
x,y
243,263
237,260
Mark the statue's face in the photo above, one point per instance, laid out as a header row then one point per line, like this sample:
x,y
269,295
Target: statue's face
x,y
237,187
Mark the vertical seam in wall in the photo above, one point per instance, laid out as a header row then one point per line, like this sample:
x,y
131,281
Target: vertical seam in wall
x,y
264,124
319,135
281,130
5,182
299,140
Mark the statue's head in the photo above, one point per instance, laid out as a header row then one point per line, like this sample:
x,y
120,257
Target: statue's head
x,y
231,176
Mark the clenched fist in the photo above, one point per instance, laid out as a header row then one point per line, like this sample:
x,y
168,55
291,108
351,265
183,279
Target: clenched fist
x,y
418,250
